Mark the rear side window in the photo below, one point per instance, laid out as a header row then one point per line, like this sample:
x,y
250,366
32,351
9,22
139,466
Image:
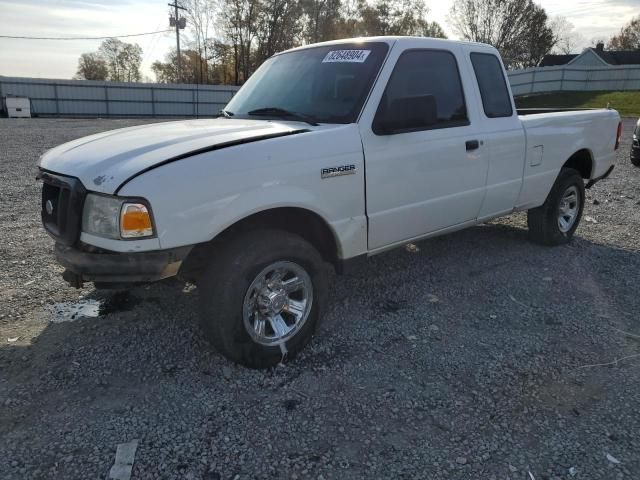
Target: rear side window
x,y
429,73
493,88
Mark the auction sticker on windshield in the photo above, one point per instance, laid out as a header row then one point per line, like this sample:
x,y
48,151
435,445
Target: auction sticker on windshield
x,y
356,56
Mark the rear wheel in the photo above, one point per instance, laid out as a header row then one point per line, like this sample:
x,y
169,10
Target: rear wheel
x,y
555,222
261,297
636,161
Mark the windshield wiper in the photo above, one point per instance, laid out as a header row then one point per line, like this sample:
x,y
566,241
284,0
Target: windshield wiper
x,y
281,112
225,113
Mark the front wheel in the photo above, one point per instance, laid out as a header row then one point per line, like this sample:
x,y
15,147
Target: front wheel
x,y
261,297
555,221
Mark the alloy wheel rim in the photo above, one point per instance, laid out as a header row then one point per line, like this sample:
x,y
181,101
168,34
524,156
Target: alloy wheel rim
x,y
277,303
568,209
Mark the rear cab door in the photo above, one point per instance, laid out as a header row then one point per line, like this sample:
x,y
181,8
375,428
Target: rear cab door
x,y
432,178
503,133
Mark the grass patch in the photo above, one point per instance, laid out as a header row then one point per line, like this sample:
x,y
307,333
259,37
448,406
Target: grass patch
x,y
626,103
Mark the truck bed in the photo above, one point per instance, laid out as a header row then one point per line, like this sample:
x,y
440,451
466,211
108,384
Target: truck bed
x,y
553,136
534,111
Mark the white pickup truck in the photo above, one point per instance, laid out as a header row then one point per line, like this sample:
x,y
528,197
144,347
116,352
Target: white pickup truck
x,y
329,153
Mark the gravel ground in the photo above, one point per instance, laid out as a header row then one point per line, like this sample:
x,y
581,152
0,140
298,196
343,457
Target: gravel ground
x,y
470,356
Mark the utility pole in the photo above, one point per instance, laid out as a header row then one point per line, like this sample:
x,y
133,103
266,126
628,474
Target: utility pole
x,y
180,23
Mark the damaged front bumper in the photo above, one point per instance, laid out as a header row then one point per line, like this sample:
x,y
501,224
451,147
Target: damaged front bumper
x,y
106,268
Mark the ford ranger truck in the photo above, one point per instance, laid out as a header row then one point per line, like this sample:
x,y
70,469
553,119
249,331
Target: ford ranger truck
x,y
328,154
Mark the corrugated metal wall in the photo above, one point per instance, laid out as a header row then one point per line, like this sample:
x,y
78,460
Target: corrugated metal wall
x,y
572,78
79,98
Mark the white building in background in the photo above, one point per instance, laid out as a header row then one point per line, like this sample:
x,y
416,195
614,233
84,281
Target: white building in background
x,y
594,57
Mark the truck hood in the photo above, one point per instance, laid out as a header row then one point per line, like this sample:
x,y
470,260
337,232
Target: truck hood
x,y
106,160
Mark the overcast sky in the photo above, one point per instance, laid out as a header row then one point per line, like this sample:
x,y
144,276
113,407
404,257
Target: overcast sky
x,y
58,59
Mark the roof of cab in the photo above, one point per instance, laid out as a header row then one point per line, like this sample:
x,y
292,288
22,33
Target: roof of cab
x,y
390,40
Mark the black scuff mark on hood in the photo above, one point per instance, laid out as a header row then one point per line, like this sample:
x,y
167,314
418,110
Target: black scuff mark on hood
x,y
211,148
99,180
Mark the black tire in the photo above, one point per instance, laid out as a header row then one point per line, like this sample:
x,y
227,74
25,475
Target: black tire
x,y
636,161
234,264
543,221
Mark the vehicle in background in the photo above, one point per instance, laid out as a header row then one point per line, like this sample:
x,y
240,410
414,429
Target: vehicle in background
x,y
635,145
328,154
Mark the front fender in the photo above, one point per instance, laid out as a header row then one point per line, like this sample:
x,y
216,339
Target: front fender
x,y
195,199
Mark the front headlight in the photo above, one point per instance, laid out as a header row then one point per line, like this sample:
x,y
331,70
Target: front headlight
x,y
116,218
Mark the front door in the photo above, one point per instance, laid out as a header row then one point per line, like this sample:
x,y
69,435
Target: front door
x,y
422,181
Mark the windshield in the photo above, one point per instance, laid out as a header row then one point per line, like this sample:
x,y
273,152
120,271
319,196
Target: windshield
x,y
325,84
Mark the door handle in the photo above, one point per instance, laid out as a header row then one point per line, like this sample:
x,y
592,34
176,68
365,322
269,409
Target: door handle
x,y
472,145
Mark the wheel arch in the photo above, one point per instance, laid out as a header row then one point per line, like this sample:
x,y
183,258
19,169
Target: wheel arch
x,y
582,161
298,220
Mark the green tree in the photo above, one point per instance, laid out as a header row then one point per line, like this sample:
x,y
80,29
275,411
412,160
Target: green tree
x,y
201,18
253,30
519,29
91,67
432,29
123,60
320,20
386,17
191,66
628,38
240,19
529,50
115,60
222,67
278,28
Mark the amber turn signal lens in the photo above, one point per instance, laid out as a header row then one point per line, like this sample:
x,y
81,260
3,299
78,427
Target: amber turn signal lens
x,y
135,221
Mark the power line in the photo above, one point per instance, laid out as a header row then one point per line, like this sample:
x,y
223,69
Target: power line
x,y
150,46
83,38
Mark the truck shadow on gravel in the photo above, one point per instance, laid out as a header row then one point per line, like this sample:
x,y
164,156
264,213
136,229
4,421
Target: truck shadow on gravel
x,y
442,347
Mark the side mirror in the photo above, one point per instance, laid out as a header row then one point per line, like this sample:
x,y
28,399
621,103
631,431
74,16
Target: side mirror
x,y
407,114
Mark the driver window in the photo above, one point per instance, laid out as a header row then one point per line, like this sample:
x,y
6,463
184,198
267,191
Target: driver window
x,y
428,73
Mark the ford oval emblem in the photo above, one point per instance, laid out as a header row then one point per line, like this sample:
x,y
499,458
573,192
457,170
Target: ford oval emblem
x,y
49,207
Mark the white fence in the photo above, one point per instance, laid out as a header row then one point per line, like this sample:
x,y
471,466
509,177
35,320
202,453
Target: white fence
x,y
570,78
83,98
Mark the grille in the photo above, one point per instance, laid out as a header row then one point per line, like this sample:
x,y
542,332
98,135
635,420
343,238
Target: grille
x,y
62,202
